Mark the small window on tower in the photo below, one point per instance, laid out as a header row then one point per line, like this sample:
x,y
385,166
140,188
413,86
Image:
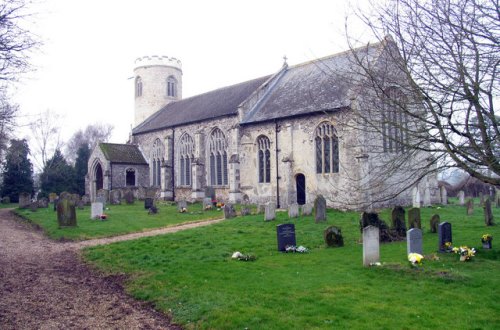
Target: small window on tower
x,y
171,87
138,86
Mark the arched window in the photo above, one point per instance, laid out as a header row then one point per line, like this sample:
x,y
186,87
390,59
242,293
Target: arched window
x,y
171,86
129,177
327,149
264,158
157,153
394,120
186,155
138,86
218,158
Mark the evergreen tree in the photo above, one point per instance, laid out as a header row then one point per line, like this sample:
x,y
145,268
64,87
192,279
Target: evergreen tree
x,y
82,158
57,176
18,171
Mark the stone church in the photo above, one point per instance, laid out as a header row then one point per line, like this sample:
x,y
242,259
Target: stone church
x,y
278,138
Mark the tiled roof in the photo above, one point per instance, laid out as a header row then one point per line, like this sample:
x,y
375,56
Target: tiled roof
x,y
122,153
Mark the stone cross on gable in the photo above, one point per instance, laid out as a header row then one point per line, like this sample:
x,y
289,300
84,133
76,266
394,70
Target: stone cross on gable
x,y
284,60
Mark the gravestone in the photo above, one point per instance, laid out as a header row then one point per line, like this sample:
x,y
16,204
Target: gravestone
x,y
24,200
398,220
434,223
270,212
43,202
414,241
444,195
54,204
306,209
320,209
148,203
104,193
115,197
333,237
96,210
33,206
414,220
461,197
6,200
245,210
286,236
141,193
210,193
86,199
101,199
470,206
444,235
481,198
75,198
416,197
66,213
293,211
427,196
371,245
129,197
52,197
229,211
488,214
207,203
182,206
80,205
260,208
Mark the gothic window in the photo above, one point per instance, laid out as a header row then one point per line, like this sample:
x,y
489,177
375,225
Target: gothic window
x,y
394,120
218,158
157,153
138,86
130,177
186,155
171,86
264,159
327,149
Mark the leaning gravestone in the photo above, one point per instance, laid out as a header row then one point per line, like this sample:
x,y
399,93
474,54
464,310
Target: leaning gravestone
x,y
293,211
414,241
286,236
444,235
148,203
434,223
371,245
333,237
414,220
66,213
488,214
398,220
306,209
320,209
470,206
182,206
461,197
270,212
229,211
24,200
96,210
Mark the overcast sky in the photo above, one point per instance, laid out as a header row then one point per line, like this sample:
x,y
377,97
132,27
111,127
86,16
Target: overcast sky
x,y
86,62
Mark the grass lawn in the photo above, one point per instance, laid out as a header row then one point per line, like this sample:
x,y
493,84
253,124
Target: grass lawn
x,y
191,276
122,219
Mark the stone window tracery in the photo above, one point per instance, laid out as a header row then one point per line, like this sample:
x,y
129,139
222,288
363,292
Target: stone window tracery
x,y
157,153
394,120
138,86
130,177
186,155
218,158
327,149
264,159
171,86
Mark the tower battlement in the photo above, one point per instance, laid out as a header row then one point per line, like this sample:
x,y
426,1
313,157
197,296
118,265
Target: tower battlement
x,y
158,60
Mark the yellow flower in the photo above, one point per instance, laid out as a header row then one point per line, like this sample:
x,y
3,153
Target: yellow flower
x,y
486,237
415,258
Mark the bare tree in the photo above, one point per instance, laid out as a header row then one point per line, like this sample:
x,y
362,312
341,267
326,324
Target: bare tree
x,y
433,88
90,137
46,137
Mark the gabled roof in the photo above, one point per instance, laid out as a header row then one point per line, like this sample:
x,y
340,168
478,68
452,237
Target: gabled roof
x,y
122,153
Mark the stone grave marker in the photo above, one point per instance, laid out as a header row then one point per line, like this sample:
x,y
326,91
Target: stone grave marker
x,y
43,202
270,212
333,237
148,203
434,223
416,197
6,200
96,210
444,235
245,210
129,197
481,198
115,197
414,220
444,195
101,199
320,209
182,205
66,213
207,203
52,197
86,199
80,205
371,245
104,193
461,197
33,206
488,214
286,235
293,211
398,220
427,196
210,193
414,241
24,200
54,204
141,193
260,208
306,209
229,211
470,206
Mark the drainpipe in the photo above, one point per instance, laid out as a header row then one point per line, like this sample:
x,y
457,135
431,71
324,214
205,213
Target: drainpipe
x,y
173,163
276,130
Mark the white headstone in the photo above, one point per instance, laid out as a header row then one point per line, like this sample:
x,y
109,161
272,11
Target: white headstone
x,y
371,245
270,212
444,195
427,195
461,197
96,210
414,241
293,211
416,197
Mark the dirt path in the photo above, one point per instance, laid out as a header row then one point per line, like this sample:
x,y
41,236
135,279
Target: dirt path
x,y
44,285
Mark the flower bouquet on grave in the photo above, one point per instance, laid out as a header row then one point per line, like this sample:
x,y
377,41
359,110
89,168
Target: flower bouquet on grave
x,y
243,257
448,247
415,259
486,240
183,210
465,252
102,216
298,249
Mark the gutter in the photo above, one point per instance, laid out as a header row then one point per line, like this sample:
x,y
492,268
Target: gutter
x,y
277,150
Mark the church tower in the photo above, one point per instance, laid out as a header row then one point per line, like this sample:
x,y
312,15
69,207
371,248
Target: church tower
x,y
157,82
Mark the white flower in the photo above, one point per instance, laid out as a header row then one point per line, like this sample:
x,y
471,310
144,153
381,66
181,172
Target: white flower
x,y
237,255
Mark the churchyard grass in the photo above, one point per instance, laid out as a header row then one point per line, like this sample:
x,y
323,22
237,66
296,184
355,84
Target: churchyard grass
x,y
121,219
191,276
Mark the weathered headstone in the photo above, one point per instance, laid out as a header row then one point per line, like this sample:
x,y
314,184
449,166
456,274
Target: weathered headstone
x,y
80,205
43,202
101,199
398,220
115,197
148,203
434,223
488,214
6,200
52,197
320,209
261,208
461,197
210,193
333,237
33,206
24,200
182,206
129,197
444,195
229,211
293,211
306,209
245,210
207,203
96,210
286,236
86,199
141,193
54,203
470,206
371,245
416,197
270,212
414,220
104,194
414,241
444,235
66,213
427,196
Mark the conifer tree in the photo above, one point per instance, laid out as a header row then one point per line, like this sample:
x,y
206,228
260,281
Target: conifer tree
x,y
18,171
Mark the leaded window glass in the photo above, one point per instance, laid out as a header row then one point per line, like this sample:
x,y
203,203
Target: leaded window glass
x,y
327,150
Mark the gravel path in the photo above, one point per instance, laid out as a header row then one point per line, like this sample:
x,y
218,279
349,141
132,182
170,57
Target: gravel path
x,y
44,284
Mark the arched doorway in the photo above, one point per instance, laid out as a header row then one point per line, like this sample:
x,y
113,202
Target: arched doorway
x,y
99,184
300,181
